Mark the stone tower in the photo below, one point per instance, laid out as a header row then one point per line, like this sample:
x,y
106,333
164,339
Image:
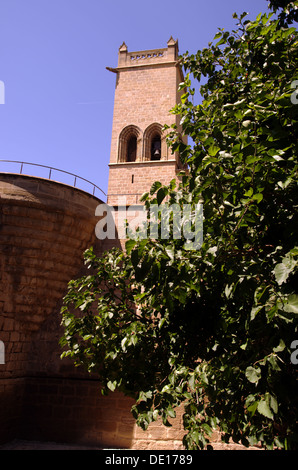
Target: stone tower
x,y
146,90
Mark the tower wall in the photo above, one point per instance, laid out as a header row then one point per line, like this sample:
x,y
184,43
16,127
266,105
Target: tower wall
x,y
146,90
131,180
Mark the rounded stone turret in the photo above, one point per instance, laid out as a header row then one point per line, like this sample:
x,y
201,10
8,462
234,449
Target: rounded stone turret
x,y
45,227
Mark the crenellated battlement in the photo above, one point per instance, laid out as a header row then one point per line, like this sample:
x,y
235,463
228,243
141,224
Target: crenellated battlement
x,y
148,57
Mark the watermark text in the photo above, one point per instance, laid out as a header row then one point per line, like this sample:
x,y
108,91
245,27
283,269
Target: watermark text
x,y
2,92
294,355
164,221
2,353
294,95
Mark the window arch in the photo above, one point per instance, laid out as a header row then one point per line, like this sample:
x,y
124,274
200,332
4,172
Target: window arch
x,y
129,148
154,143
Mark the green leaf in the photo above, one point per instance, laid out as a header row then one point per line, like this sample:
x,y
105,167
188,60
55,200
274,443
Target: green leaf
x,y
253,374
264,409
129,245
281,346
144,197
155,186
208,430
112,385
291,306
218,35
180,294
170,250
171,412
228,290
281,272
258,197
273,404
255,311
213,150
253,407
161,322
161,194
123,343
286,267
144,396
249,192
191,382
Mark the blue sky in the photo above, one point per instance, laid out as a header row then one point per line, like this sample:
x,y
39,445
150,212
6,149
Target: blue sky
x,y
59,96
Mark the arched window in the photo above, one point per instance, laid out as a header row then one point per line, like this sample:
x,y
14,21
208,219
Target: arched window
x,y
129,149
154,143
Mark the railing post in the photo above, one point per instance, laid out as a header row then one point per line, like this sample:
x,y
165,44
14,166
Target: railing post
x,y
21,170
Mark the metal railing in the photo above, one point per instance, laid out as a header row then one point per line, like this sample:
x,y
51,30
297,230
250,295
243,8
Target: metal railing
x,y
51,168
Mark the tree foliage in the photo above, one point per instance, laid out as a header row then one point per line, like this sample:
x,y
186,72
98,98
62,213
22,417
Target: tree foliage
x,y
287,11
211,328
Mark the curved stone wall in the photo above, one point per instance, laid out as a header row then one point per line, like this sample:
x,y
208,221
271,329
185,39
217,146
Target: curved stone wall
x,y
44,228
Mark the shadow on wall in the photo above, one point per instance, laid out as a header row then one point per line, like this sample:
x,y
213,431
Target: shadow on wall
x,y
63,403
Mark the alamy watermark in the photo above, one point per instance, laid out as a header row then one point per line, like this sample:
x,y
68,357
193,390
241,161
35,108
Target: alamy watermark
x,y
173,221
294,95
294,355
2,353
2,92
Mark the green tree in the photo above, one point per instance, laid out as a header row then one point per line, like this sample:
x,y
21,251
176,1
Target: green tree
x,y
287,11
213,327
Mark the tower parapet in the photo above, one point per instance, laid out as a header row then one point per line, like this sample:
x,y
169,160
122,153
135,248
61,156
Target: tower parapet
x,y
148,57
